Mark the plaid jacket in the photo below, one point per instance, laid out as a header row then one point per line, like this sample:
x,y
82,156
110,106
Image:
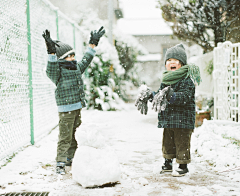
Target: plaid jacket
x,y
181,113
70,88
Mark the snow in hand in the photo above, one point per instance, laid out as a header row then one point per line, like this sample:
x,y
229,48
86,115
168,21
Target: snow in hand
x,y
94,163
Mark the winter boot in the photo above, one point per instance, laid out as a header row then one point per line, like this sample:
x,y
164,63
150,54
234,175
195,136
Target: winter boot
x,y
60,168
181,170
167,166
69,162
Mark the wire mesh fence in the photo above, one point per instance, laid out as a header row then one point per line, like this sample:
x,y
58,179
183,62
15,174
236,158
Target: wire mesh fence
x,y
27,104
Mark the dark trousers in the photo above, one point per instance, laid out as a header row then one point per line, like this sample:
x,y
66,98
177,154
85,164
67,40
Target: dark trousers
x,y
67,144
176,144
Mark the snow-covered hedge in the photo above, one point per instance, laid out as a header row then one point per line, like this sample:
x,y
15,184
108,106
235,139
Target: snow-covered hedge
x,y
108,79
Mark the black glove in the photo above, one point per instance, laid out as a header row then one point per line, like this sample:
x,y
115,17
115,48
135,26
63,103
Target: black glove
x,y
49,42
169,92
95,36
142,99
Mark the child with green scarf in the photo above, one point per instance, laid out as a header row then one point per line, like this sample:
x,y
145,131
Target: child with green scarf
x,y
175,104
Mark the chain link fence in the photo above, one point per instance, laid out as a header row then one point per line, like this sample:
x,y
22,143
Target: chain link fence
x,y
27,104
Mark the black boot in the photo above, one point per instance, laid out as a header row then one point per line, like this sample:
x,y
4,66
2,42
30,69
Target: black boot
x,y
181,171
60,168
69,162
167,166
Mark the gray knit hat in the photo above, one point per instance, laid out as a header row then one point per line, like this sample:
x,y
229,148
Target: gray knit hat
x,y
176,52
63,50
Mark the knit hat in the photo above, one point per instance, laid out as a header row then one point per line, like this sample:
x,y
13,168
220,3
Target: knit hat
x,y
63,50
176,52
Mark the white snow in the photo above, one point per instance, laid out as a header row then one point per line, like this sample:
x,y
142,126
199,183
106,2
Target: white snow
x,y
136,141
95,163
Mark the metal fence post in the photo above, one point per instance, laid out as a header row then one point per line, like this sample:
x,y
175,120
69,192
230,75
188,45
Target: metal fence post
x,y
30,72
57,24
74,38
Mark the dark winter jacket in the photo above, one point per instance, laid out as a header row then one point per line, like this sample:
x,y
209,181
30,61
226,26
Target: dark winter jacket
x,y
69,93
180,112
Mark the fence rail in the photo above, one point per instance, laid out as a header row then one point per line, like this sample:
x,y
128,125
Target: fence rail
x,y
226,81
27,105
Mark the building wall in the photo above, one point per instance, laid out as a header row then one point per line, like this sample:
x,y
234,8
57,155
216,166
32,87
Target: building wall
x,y
151,71
150,74
98,6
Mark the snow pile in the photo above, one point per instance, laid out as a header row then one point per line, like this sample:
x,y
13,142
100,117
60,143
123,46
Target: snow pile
x,y
217,143
95,163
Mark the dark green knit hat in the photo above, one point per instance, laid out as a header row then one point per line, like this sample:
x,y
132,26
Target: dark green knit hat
x,y
176,52
63,50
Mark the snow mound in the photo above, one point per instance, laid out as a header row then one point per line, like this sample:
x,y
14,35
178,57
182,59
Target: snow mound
x,y
216,142
94,163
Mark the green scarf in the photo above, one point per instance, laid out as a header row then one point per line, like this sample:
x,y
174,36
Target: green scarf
x,y
172,77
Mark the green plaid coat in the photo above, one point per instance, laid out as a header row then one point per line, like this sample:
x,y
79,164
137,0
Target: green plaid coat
x,y
181,113
70,88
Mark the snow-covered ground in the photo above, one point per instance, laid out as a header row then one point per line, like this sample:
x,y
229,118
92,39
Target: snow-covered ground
x,y
137,142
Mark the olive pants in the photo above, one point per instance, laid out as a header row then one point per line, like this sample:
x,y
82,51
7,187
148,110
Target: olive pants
x,y
67,145
176,144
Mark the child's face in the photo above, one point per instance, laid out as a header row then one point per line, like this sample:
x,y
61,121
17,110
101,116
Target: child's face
x,y
70,58
172,64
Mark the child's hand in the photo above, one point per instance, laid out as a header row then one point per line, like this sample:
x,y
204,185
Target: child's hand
x,y
161,99
95,36
169,92
49,42
141,101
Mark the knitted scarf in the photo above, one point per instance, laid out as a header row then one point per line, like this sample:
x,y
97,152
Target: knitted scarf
x,y
191,70
70,65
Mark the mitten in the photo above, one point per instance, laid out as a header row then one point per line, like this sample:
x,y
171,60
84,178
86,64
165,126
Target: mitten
x,y
142,99
49,42
157,100
161,99
95,36
168,92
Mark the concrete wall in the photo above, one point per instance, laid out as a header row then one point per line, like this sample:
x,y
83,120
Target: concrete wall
x,y
157,44
151,71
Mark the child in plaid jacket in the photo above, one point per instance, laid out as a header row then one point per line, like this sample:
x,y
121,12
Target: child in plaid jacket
x,y
175,104
64,71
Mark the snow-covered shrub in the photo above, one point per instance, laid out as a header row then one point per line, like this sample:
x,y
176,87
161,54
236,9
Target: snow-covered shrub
x,y
128,49
111,66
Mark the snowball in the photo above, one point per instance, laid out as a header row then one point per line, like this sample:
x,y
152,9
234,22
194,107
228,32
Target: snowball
x,y
143,87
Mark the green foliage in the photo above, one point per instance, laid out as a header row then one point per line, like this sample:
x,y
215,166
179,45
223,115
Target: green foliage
x,y
205,22
233,140
127,57
209,67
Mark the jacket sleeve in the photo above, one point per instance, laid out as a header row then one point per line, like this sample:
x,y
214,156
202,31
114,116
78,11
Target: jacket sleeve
x,y
86,60
53,70
185,93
